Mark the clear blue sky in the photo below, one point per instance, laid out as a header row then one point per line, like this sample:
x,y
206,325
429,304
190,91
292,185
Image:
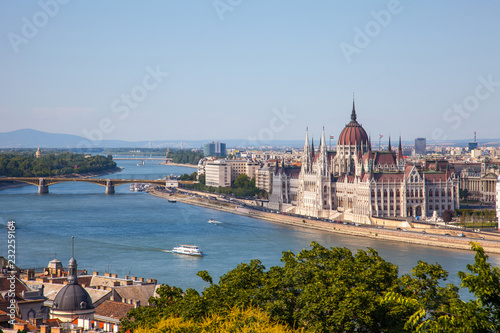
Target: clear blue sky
x,y
231,63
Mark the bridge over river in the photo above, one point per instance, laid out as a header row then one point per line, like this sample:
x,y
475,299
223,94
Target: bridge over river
x,y
44,182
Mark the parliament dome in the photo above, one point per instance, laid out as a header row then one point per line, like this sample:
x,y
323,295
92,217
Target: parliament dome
x,y
353,134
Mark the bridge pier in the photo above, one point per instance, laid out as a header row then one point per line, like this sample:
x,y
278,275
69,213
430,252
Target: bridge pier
x,y
42,188
110,188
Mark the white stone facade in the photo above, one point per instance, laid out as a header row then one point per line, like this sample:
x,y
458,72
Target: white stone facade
x,y
358,183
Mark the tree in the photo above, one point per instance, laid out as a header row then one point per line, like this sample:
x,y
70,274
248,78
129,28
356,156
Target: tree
x,y
243,181
448,313
447,215
237,320
463,194
333,290
323,290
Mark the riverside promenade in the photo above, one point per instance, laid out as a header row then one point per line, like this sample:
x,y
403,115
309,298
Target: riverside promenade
x,y
431,237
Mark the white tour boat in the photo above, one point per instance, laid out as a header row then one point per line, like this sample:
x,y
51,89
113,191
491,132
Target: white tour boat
x,y
191,250
213,221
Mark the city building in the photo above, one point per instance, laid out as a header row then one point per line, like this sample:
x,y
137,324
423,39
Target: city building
x,y
264,178
214,149
473,145
217,174
498,202
220,173
480,182
285,188
475,153
420,146
356,183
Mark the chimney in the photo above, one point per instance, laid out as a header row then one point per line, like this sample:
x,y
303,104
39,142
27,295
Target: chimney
x,y
107,274
36,321
44,329
133,278
126,277
95,273
141,279
19,326
114,275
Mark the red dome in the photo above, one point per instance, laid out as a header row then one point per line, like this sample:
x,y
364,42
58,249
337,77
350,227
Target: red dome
x,y
353,134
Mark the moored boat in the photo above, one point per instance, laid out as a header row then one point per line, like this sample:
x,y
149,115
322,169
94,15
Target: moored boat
x,y
191,250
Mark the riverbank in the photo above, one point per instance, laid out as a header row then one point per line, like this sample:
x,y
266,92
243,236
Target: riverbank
x,y
4,186
180,164
431,237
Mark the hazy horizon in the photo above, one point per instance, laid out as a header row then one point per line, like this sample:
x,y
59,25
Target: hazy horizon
x,y
170,70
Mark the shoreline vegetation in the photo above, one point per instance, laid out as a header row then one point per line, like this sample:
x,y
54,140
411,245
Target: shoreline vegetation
x,y
434,236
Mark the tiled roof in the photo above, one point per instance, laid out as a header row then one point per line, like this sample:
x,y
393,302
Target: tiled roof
x,y
383,158
435,176
139,292
5,285
113,309
384,177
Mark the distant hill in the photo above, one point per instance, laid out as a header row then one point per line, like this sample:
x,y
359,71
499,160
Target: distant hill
x,y
30,138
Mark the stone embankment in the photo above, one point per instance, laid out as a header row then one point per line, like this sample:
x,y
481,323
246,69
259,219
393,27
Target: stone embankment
x,y
431,237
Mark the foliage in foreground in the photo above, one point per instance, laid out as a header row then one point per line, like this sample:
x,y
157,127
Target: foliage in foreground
x,y
334,290
236,320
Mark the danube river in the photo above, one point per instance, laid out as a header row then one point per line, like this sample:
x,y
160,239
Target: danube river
x,y
131,233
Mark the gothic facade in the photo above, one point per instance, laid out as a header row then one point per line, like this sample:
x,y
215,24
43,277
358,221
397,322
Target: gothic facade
x,y
358,183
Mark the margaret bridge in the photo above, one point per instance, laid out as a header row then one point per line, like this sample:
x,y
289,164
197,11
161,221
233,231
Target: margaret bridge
x,y
44,182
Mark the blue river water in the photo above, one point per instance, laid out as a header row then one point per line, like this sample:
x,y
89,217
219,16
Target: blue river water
x,y
131,233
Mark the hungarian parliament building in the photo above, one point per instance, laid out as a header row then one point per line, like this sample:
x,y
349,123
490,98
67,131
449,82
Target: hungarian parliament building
x,y
356,183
